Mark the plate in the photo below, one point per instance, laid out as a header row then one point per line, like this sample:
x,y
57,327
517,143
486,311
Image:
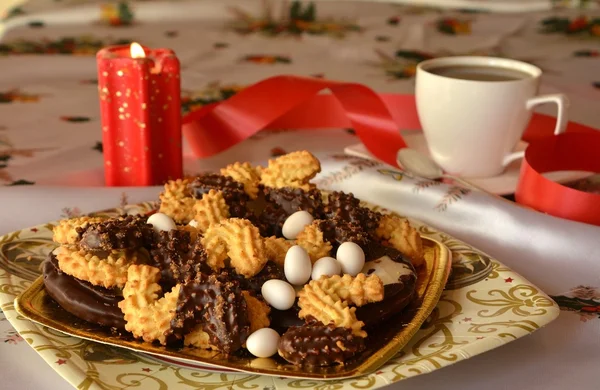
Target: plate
x,y
484,305
384,342
503,184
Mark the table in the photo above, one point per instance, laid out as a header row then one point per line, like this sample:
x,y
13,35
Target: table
x,y
49,119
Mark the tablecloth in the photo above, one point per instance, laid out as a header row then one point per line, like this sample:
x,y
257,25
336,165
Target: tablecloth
x,y
51,154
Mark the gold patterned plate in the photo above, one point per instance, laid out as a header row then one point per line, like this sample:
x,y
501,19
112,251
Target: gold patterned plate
x,y
382,344
485,305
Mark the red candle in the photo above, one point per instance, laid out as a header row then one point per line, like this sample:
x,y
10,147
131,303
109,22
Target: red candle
x,y
141,119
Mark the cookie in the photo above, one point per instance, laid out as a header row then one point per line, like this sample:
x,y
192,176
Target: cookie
x,y
216,306
245,174
100,269
210,209
280,203
345,207
328,309
254,284
176,201
233,192
94,304
179,255
291,170
336,232
147,316
276,248
399,278
358,290
198,338
319,345
313,241
402,236
258,312
125,232
240,242
68,231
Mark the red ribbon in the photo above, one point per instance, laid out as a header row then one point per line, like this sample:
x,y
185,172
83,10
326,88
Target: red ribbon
x,y
218,127
565,152
291,102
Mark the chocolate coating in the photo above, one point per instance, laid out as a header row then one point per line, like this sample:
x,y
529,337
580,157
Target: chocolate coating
x,y
269,271
345,207
219,306
319,345
127,232
233,192
283,202
338,231
396,296
91,303
283,319
178,256
211,181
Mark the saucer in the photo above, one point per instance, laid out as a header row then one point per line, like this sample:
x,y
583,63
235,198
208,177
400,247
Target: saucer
x,y
503,184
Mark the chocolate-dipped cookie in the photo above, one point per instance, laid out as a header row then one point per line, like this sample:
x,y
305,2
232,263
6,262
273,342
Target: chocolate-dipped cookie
x,y
319,345
233,192
91,303
217,304
179,255
399,278
280,203
126,232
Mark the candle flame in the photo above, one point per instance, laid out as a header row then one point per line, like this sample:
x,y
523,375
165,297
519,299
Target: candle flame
x,y
137,51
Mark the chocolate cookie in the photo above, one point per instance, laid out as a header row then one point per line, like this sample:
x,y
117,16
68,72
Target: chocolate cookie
x,y
345,207
233,192
126,232
217,304
338,231
91,303
283,202
254,284
178,256
397,295
319,345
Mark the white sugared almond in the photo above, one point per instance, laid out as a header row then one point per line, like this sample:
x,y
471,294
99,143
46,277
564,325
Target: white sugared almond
x,y
161,222
295,223
263,343
326,266
351,257
297,266
279,294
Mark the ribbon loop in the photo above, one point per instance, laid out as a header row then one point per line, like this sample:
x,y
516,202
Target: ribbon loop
x,y
565,152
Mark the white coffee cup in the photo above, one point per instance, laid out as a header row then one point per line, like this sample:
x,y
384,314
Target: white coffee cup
x,y
471,125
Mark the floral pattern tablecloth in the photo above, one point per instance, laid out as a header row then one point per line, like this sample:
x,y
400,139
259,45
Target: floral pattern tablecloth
x,y
50,135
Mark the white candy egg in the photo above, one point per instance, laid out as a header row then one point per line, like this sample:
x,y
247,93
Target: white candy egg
x,y
161,222
297,266
263,343
295,223
278,293
326,266
351,258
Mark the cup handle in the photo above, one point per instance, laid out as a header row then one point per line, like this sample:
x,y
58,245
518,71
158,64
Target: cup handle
x,y
562,104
